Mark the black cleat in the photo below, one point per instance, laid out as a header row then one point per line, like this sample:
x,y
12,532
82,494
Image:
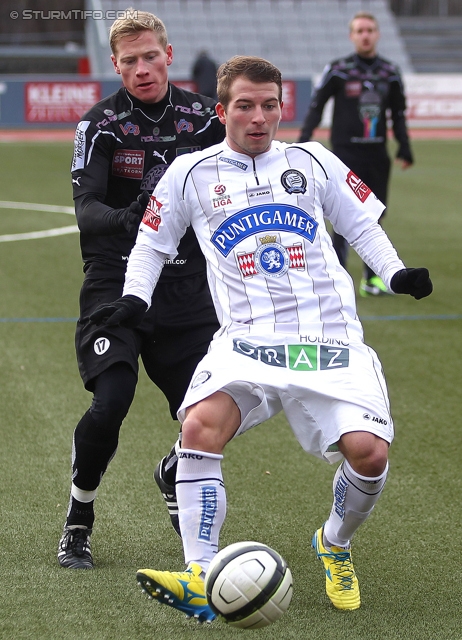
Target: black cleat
x,y
169,495
74,551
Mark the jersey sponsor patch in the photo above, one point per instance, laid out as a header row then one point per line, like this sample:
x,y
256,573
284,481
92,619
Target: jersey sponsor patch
x,y
359,188
158,138
235,163
263,218
129,127
297,357
182,150
353,88
151,216
184,125
248,268
128,163
78,159
219,195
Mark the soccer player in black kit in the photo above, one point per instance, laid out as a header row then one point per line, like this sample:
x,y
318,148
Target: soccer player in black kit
x,y
367,89
123,146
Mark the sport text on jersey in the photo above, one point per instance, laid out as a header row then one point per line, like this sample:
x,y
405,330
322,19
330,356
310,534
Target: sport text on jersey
x,y
128,163
263,218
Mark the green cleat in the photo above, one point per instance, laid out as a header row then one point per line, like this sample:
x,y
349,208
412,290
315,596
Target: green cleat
x,y
182,590
373,287
341,582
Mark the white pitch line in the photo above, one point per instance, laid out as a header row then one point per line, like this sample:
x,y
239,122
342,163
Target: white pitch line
x,y
31,206
34,235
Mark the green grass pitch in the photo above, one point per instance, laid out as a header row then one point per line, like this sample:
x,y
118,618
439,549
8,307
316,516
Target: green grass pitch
x,y
407,555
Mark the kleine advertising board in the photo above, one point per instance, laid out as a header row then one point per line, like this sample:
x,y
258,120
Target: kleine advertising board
x,y
47,102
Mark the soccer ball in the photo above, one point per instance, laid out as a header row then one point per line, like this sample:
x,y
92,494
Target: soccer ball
x,y
249,585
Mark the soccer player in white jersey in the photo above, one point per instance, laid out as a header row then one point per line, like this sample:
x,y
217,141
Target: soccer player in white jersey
x,y
290,339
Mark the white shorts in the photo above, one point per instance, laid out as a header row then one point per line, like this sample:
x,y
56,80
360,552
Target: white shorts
x,y
325,387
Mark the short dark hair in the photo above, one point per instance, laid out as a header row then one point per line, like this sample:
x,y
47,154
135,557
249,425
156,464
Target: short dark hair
x,y
250,67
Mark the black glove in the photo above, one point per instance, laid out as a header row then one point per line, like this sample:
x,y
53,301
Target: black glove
x,y
131,217
416,282
127,311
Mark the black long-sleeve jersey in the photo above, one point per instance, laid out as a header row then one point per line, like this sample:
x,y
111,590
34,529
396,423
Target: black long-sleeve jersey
x,y
122,147
366,92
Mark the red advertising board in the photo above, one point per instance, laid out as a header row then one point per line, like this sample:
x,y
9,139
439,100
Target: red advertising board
x,y
289,95
59,101
428,107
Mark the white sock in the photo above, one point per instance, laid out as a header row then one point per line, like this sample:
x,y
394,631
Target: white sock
x,y
201,504
354,499
81,495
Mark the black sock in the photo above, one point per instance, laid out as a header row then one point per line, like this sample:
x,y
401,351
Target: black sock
x,y
81,513
169,467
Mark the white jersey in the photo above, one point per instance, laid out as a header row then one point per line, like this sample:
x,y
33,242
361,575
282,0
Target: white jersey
x,y
260,223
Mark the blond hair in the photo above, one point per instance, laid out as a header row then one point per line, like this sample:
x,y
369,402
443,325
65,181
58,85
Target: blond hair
x,y
250,67
366,15
133,23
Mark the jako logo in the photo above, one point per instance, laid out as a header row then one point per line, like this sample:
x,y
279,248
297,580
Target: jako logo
x,y
379,420
189,456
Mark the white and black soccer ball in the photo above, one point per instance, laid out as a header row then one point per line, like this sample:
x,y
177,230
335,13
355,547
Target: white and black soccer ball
x,y
249,585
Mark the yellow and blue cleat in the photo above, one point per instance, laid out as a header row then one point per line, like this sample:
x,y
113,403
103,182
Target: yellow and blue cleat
x,y
342,585
182,590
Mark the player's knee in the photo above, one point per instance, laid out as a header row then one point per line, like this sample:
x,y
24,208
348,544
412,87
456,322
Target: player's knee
x,y
197,434
373,465
113,395
109,411
202,435
366,453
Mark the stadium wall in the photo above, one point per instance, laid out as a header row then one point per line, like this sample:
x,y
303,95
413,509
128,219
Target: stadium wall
x,y
35,102
28,102
433,100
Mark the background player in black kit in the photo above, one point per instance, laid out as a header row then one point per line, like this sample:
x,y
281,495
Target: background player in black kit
x,y
367,89
123,146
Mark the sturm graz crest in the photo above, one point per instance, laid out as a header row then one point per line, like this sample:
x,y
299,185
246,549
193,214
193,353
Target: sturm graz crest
x,y
293,181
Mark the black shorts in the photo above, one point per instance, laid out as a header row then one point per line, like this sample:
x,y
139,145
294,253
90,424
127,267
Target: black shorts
x,y
172,339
